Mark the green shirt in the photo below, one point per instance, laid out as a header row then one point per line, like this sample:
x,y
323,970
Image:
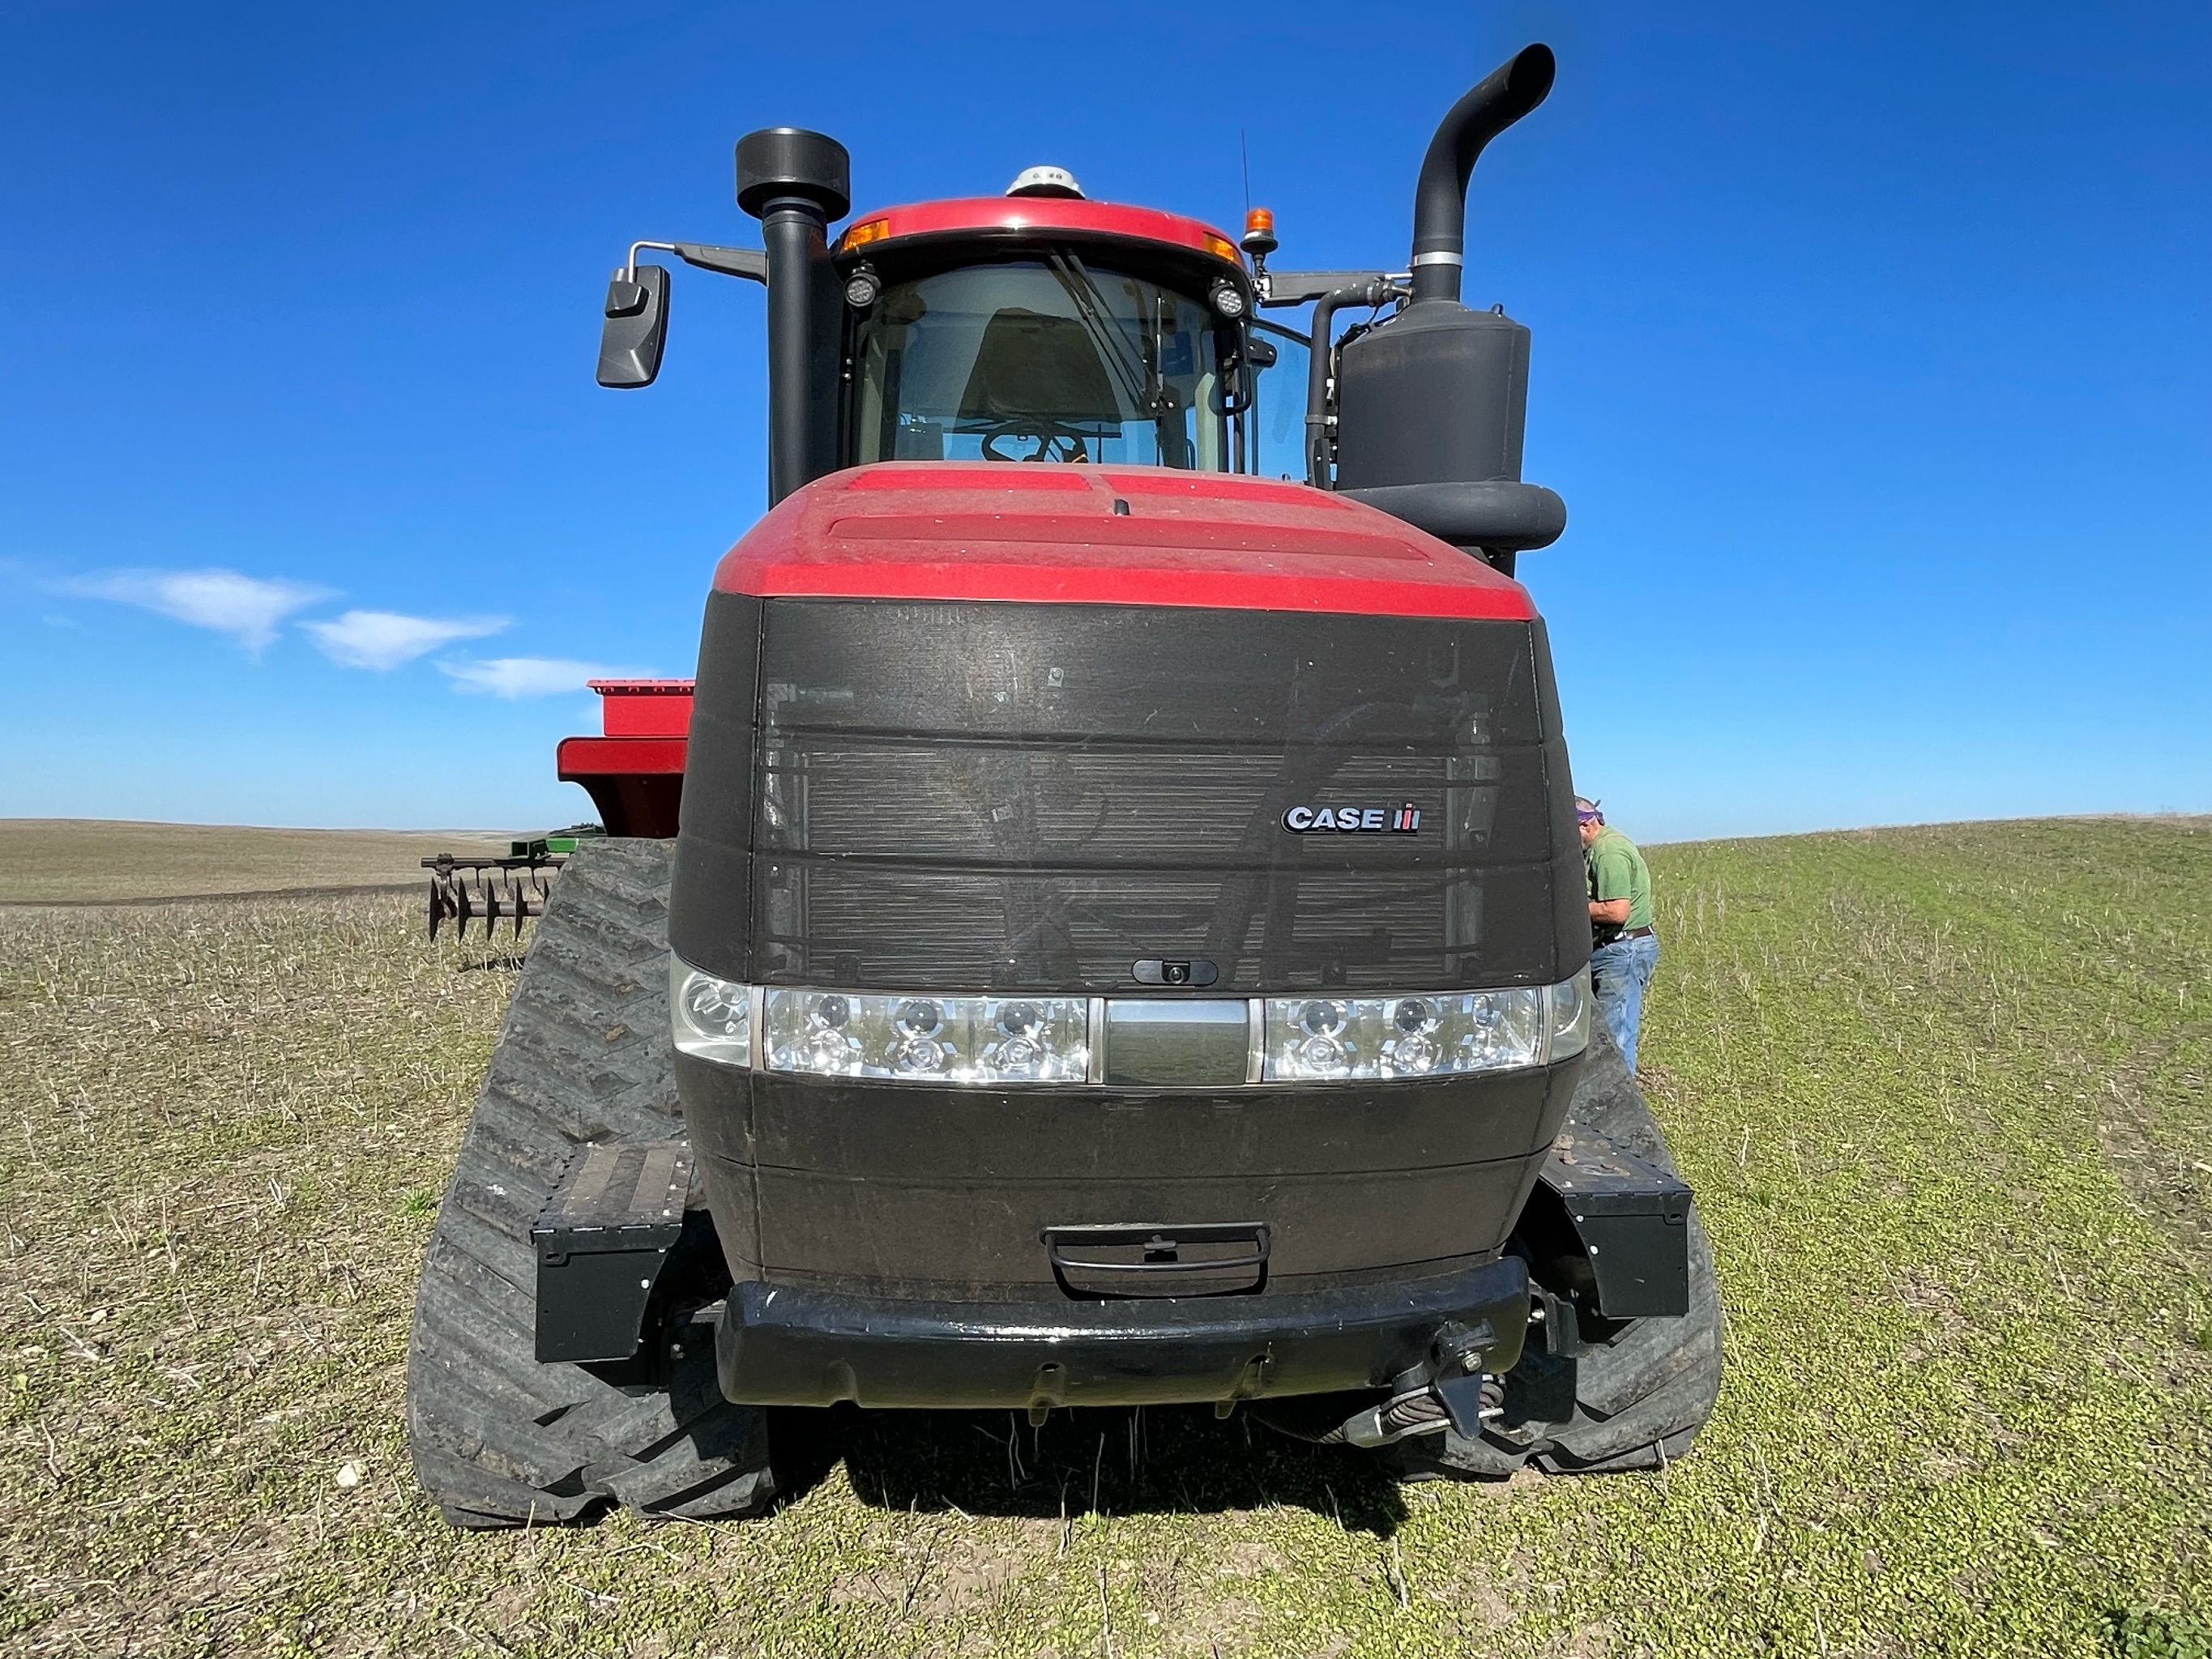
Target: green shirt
x,y
1617,871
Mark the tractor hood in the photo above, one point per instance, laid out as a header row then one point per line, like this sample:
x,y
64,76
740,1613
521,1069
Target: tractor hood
x,y
1046,730
1024,724
1054,533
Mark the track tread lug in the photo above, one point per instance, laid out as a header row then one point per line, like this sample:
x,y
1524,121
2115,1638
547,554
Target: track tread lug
x,y
497,1439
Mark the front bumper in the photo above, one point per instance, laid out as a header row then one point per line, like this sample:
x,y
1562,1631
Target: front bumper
x,y
781,1345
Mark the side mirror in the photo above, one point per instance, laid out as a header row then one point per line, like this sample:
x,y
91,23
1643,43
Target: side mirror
x,y
636,326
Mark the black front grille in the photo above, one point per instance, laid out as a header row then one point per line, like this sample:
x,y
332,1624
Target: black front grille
x,y
953,795
1061,805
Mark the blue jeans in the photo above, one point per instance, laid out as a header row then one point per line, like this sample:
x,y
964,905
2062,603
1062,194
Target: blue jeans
x,y
1619,973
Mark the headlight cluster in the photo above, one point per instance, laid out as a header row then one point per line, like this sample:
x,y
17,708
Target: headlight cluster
x,y
854,1034
944,1039
1017,1039
710,1017
1570,1016
1312,1038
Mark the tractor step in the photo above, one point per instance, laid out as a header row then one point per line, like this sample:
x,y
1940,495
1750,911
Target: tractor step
x,y
1629,1223
601,1242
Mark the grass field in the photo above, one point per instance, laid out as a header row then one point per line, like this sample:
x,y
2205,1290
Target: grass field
x,y
1943,1093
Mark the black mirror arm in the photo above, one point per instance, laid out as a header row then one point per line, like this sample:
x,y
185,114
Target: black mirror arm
x,y
750,263
1295,287
746,262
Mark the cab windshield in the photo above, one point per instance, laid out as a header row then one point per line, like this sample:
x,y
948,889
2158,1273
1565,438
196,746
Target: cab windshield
x,y
1039,360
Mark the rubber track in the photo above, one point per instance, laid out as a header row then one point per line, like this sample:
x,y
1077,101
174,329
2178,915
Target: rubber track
x,y
499,1439
1641,1398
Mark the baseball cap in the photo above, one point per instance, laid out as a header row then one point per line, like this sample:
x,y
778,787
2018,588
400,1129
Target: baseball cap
x,y
1586,811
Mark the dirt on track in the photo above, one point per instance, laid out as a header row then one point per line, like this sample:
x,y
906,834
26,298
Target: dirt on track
x,y
1943,1095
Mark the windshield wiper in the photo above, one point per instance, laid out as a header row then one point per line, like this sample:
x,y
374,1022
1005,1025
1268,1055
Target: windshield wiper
x,y
1091,308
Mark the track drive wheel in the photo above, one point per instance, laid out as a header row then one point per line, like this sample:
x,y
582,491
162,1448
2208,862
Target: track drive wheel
x,y
1642,1396
498,1438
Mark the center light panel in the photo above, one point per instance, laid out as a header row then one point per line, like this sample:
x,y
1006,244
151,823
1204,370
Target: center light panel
x,y
991,1040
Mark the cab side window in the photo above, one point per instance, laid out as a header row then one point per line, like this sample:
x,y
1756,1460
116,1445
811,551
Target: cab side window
x,y
1275,428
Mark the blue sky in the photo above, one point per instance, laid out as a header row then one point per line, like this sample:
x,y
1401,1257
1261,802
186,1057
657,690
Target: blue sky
x,y
1873,357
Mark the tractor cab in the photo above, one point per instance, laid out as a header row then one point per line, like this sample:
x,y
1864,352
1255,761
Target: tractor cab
x,y
1036,326
1025,328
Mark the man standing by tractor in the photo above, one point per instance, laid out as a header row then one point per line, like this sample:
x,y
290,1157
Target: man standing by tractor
x,y
1623,950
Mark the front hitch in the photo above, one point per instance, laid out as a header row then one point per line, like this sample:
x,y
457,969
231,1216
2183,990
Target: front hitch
x,y
1454,1388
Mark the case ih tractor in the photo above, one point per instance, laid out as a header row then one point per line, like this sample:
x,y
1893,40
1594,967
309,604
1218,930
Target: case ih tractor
x,y
1124,936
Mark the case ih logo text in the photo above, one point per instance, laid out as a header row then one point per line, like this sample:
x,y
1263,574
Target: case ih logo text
x,y
1355,820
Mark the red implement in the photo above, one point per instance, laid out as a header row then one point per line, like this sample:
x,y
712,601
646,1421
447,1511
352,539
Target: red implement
x,y
633,771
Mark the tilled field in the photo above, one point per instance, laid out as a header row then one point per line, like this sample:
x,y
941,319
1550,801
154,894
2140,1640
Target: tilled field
x,y
78,861
1943,1094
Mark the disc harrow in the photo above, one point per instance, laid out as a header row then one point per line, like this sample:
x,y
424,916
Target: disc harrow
x,y
463,889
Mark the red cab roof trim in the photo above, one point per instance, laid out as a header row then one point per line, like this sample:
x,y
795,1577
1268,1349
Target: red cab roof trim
x,y
1042,533
967,215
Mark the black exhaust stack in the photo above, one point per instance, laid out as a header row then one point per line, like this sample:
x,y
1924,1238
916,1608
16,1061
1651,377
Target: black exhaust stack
x,y
1506,94
795,182
1431,403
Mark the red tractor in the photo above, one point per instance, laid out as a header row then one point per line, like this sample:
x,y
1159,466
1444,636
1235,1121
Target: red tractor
x,y
1123,939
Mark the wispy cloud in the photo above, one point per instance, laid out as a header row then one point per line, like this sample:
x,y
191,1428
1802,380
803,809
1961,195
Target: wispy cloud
x,y
525,677
386,639
247,608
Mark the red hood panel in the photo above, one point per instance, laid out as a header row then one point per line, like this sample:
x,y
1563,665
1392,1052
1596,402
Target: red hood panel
x,y
1046,534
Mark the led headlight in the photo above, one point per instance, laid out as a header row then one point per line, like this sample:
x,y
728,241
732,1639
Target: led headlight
x,y
1570,1016
990,1040
1326,1038
973,1040
710,1017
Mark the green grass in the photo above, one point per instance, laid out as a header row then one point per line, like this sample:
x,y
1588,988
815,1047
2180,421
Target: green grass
x,y
1943,1093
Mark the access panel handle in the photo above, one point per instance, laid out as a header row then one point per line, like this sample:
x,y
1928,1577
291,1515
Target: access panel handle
x,y
1159,1247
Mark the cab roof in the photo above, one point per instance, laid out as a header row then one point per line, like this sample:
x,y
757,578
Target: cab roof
x,y
972,215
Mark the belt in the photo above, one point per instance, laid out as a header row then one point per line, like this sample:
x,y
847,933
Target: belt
x,y
1628,933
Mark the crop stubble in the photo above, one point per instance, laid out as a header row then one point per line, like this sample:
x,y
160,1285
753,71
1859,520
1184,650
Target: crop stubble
x,y
1943,1093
